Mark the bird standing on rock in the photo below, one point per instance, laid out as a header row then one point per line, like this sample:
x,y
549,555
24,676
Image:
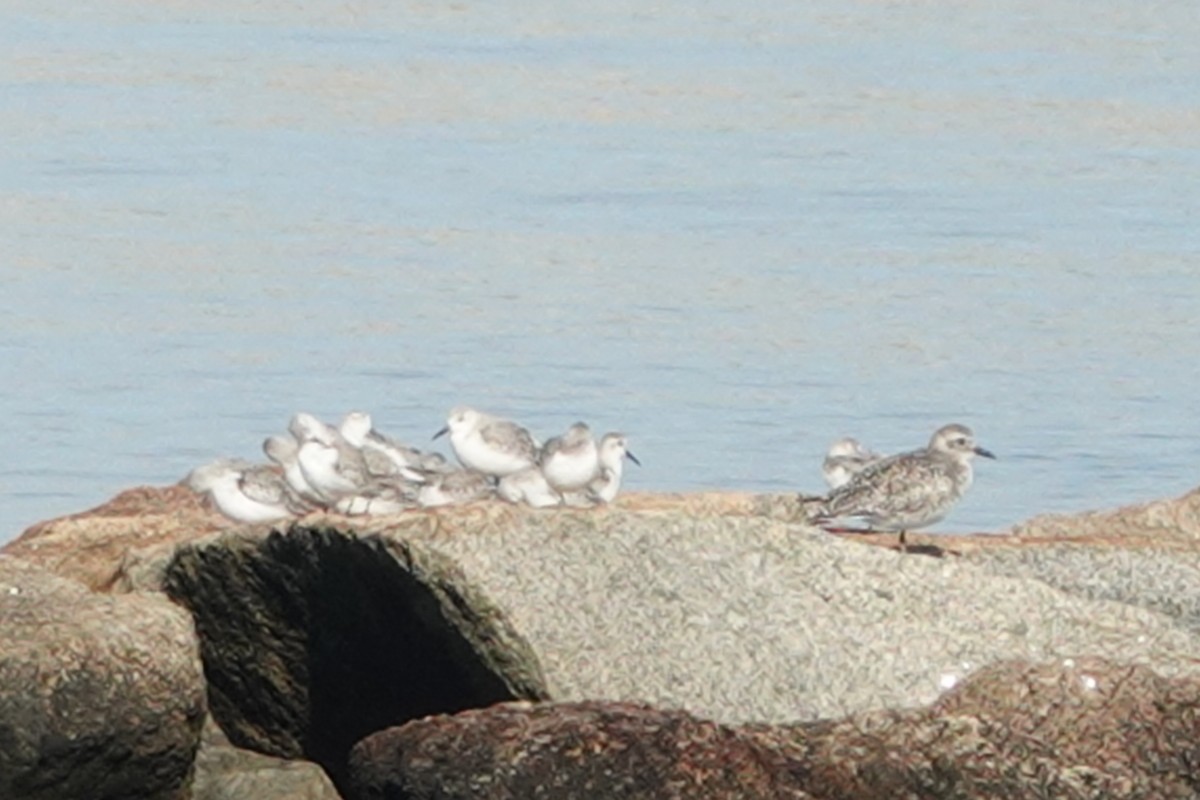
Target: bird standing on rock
x,y
570,461
488,444
614,449
909,490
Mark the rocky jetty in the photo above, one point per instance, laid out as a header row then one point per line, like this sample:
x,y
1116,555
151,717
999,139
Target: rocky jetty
x,y
683,644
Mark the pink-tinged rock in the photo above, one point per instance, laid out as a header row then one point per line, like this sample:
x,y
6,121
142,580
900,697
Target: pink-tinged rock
x,y
90,546
567,750
1085,729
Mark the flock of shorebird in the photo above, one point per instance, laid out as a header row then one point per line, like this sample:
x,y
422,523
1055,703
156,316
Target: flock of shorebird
x,y
353,469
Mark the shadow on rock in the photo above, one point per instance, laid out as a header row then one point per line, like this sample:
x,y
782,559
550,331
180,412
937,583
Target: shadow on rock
x,y
312,639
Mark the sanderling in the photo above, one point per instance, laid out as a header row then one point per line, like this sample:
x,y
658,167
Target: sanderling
x,y
201,478
284,451
570,461
334,472
846,458
454,488
380,497
257,494
909,490
529,486
383,455
488,444
613,450
304,426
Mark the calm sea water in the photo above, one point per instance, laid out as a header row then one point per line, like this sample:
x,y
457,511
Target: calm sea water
x,y
736,233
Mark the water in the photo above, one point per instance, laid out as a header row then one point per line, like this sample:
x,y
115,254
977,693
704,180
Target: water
x,y
735,233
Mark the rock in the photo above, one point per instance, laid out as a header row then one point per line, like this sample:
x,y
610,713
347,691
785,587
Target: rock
x,y
1087,729
745,619
1144,555
314,638
1158,524
567,750
1158,580
1075,729
225,772
100,696
90,546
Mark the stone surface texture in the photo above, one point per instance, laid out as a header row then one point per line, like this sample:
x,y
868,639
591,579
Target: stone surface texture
x,y
1072,730
100,696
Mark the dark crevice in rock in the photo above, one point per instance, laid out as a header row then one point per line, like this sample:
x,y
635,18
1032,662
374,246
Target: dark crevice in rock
x,y
312,639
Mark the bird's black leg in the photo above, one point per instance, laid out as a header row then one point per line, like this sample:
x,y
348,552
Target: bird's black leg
x,y
903,541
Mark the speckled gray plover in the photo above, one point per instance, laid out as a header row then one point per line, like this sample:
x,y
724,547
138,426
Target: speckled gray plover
x,y
909,490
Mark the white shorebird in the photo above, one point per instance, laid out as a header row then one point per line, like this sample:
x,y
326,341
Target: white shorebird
x,y
454,489
529,486
284,451
570,461
383,455
381,497
614,449
910,490
201,478
489,444
846,458
334,472
304,426
254,495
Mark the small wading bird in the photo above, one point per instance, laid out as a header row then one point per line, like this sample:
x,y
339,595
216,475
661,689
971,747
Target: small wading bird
x,y
907,491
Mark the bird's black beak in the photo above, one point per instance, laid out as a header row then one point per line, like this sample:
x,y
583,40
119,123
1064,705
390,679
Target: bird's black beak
x,y
980,451
632,458
442,432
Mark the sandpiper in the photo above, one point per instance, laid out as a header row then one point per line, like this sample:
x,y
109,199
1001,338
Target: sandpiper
x,y
570,461
489,444
846,458
613,450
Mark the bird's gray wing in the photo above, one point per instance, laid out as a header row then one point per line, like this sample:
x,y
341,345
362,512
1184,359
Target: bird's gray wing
x,y
509,437
264,485
553,445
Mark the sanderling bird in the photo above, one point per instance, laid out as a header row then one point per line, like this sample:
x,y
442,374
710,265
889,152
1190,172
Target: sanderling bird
x,y
334,472
201,478
909,490
489,444
254,495
304,426
570,461
529,486
284,451
846,458
381,497
613,450
454,489
383,455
